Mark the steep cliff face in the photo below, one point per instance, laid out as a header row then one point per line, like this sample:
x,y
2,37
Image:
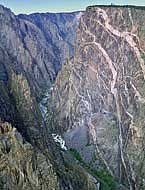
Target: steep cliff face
x,y
100,93
59,31
18,104
35,42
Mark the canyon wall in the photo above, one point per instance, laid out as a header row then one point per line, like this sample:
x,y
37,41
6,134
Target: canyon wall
x,y
99,95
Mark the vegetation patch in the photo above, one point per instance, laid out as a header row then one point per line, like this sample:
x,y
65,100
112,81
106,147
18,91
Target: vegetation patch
x,y
88,144
77,155
107,181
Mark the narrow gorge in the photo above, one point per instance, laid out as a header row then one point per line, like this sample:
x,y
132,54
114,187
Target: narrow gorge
x,y
72,99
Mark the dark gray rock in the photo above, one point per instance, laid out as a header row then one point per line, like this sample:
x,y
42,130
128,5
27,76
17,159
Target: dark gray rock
x,y
39,44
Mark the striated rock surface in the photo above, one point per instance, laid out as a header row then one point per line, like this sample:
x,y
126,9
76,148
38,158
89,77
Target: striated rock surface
x,y
99,95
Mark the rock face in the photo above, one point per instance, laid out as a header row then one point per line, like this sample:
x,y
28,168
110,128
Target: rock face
x,y
59,31
35,42
22,166
29,156
99,95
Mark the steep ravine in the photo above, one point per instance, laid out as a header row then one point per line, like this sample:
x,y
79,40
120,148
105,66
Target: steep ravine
x,y
29,156
99,95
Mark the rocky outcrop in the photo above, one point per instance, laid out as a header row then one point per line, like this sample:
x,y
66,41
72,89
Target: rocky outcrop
x,y
22,166
99,96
